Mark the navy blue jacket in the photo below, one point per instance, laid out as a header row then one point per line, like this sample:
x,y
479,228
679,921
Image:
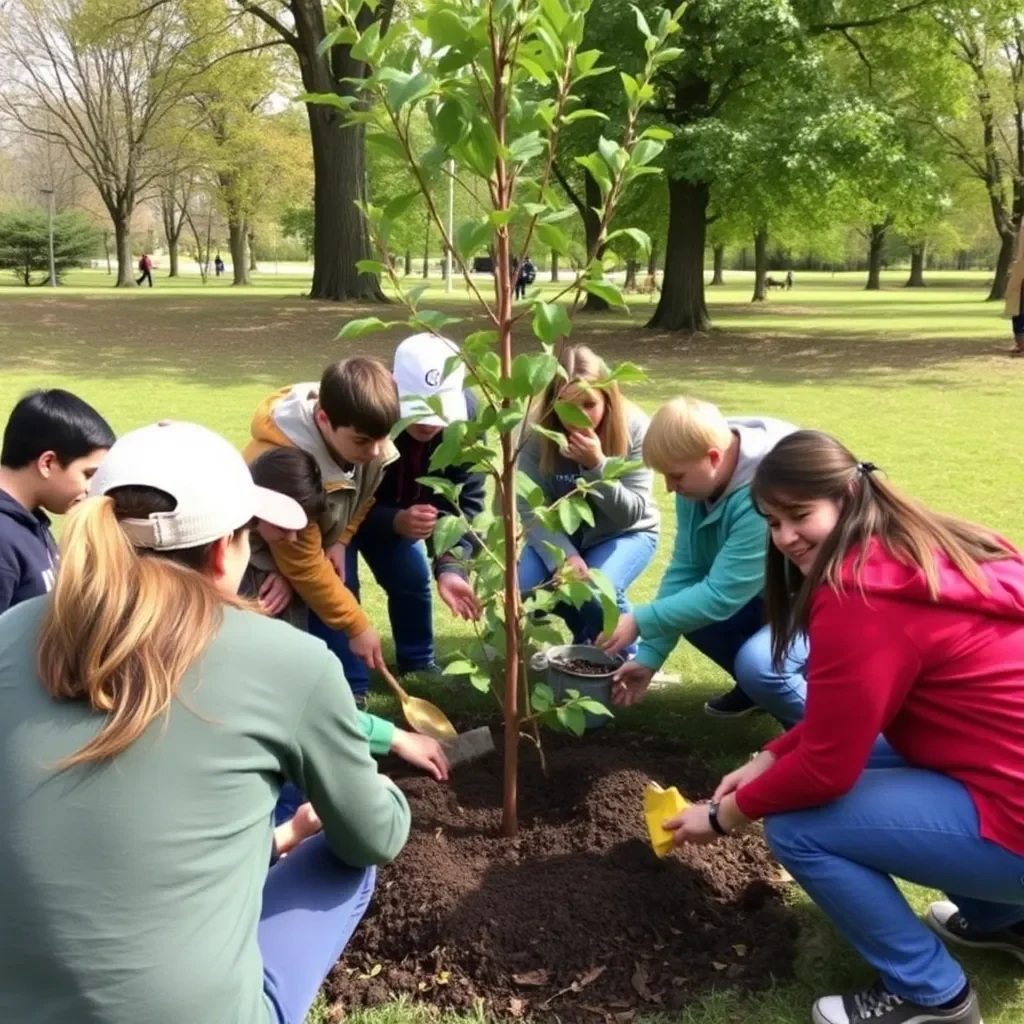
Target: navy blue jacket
x,y
28,553
399,489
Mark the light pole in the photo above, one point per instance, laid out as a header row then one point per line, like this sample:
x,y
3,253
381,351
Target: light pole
x,y
53,265
451,226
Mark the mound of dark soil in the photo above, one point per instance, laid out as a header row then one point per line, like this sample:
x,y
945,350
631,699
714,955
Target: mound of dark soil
x,y
576,919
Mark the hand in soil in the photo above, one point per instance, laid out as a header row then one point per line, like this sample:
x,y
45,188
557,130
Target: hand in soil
x,y
629,684
422,751
750,771
625,633
692,826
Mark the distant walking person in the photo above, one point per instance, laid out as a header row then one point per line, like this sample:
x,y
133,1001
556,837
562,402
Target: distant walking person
x,y
789,280
146,267
218,265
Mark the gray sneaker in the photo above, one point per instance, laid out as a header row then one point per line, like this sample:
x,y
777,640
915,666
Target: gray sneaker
x,y
951,926
877,1006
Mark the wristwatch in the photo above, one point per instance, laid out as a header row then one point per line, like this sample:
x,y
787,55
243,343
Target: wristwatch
x,y
713,818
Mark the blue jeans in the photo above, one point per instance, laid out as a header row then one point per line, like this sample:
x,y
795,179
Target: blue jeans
x,y
312,904
906,823
742,646
621,559
400,566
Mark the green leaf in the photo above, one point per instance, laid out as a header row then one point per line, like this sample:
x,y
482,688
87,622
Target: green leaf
x,y
441,485
446,453
555,13
607,290
595,707
445,28
553,216
414,294
387,143
451,124
612,153
509,419
583,509
533,373
657,134
417,86
551,321
586,60
366,325
631,87
480,681
371,267
471,236
666,56
526,147
598,170
551,435
542,697
448,530
327,99
397,208
641,238
533,69
568,517
572,415
582,115
627,373
641,22
480,148
553,238
407,421
609,614
499,218
645,151
432,321
572,719
528,490
460,668
366,47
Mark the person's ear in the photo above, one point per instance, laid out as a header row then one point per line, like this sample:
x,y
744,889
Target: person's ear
x,y
46,463
216,559
715,458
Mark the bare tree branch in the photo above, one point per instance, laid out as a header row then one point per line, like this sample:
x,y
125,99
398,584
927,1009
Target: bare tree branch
x,y
881,19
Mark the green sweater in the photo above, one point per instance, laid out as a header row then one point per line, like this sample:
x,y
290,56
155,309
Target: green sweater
x,y
131,891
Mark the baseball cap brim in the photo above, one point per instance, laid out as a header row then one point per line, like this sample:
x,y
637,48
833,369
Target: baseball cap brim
x,y
453,405
279,510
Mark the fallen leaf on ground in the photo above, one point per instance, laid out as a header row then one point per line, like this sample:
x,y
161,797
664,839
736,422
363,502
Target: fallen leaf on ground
x,y
591,976
517,1007
741,950
718,965
639,982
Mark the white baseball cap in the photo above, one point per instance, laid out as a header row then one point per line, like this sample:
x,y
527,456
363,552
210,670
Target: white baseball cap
x,y
206,476
419,374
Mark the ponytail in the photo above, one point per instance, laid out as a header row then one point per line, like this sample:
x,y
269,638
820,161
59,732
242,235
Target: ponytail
x,y
122,627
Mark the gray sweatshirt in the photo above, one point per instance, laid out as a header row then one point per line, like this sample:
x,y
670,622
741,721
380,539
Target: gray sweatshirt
x,y
620,506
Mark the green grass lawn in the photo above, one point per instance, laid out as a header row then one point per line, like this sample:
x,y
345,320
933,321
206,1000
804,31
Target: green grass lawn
x,y
916,381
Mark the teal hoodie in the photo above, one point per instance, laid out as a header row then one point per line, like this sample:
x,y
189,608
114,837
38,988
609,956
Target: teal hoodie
x,y
717,564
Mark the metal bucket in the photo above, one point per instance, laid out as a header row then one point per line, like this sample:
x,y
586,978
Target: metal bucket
x,y
599,687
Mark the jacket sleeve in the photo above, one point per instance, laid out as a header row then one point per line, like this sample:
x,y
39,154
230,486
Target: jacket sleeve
x,y
306,567
735,578
379,731
536,535
862,663
356,521
365,816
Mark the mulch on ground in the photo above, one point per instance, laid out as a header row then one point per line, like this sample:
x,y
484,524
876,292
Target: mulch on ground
x,y
576,919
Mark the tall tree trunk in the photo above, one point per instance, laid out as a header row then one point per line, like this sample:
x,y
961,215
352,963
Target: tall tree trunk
x,y
426,251
632,266
172,257
917,254
652,260
718,257
252,250
876,246
760,265
172,230
744,262
554,266
239,257
122,218
1003,262
408,262
106,251
682,306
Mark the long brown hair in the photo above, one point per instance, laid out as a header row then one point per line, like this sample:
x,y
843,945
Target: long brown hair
x,y
808,466
583,366
123,626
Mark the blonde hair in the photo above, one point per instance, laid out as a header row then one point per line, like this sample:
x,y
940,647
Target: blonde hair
x,y
684,430
122,628
582,366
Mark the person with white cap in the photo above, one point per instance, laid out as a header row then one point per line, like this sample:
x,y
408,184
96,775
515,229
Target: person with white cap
x,y
395,538
148,719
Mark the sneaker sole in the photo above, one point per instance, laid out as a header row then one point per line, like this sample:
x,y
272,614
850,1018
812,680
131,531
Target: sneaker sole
x,y
926,1018
947,936
713,713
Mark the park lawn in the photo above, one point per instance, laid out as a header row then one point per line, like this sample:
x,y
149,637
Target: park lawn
x,y
917,382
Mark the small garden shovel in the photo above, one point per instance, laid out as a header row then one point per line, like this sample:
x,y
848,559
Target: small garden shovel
x,y
422,716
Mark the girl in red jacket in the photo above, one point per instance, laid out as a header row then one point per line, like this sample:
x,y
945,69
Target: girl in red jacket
x,y
916,630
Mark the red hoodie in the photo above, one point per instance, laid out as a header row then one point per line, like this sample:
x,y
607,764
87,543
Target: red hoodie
x,y
942,679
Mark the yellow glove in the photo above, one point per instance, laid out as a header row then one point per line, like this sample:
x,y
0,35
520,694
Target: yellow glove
x,y
660,805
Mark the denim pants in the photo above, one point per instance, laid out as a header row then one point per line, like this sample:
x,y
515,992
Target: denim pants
x,y
400,566
905,823
742,646
312,904
621,559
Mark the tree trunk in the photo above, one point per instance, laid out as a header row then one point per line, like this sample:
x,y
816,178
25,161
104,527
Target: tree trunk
x,y
408,262
239,257
632,266
592,227
916,279
718,255
876,244
426,251
1003,261
744,260
681,306
760,265
652,261
252,250
554,266
122,219
106,251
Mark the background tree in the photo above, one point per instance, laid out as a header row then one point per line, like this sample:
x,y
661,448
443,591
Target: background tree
x,y
25,242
